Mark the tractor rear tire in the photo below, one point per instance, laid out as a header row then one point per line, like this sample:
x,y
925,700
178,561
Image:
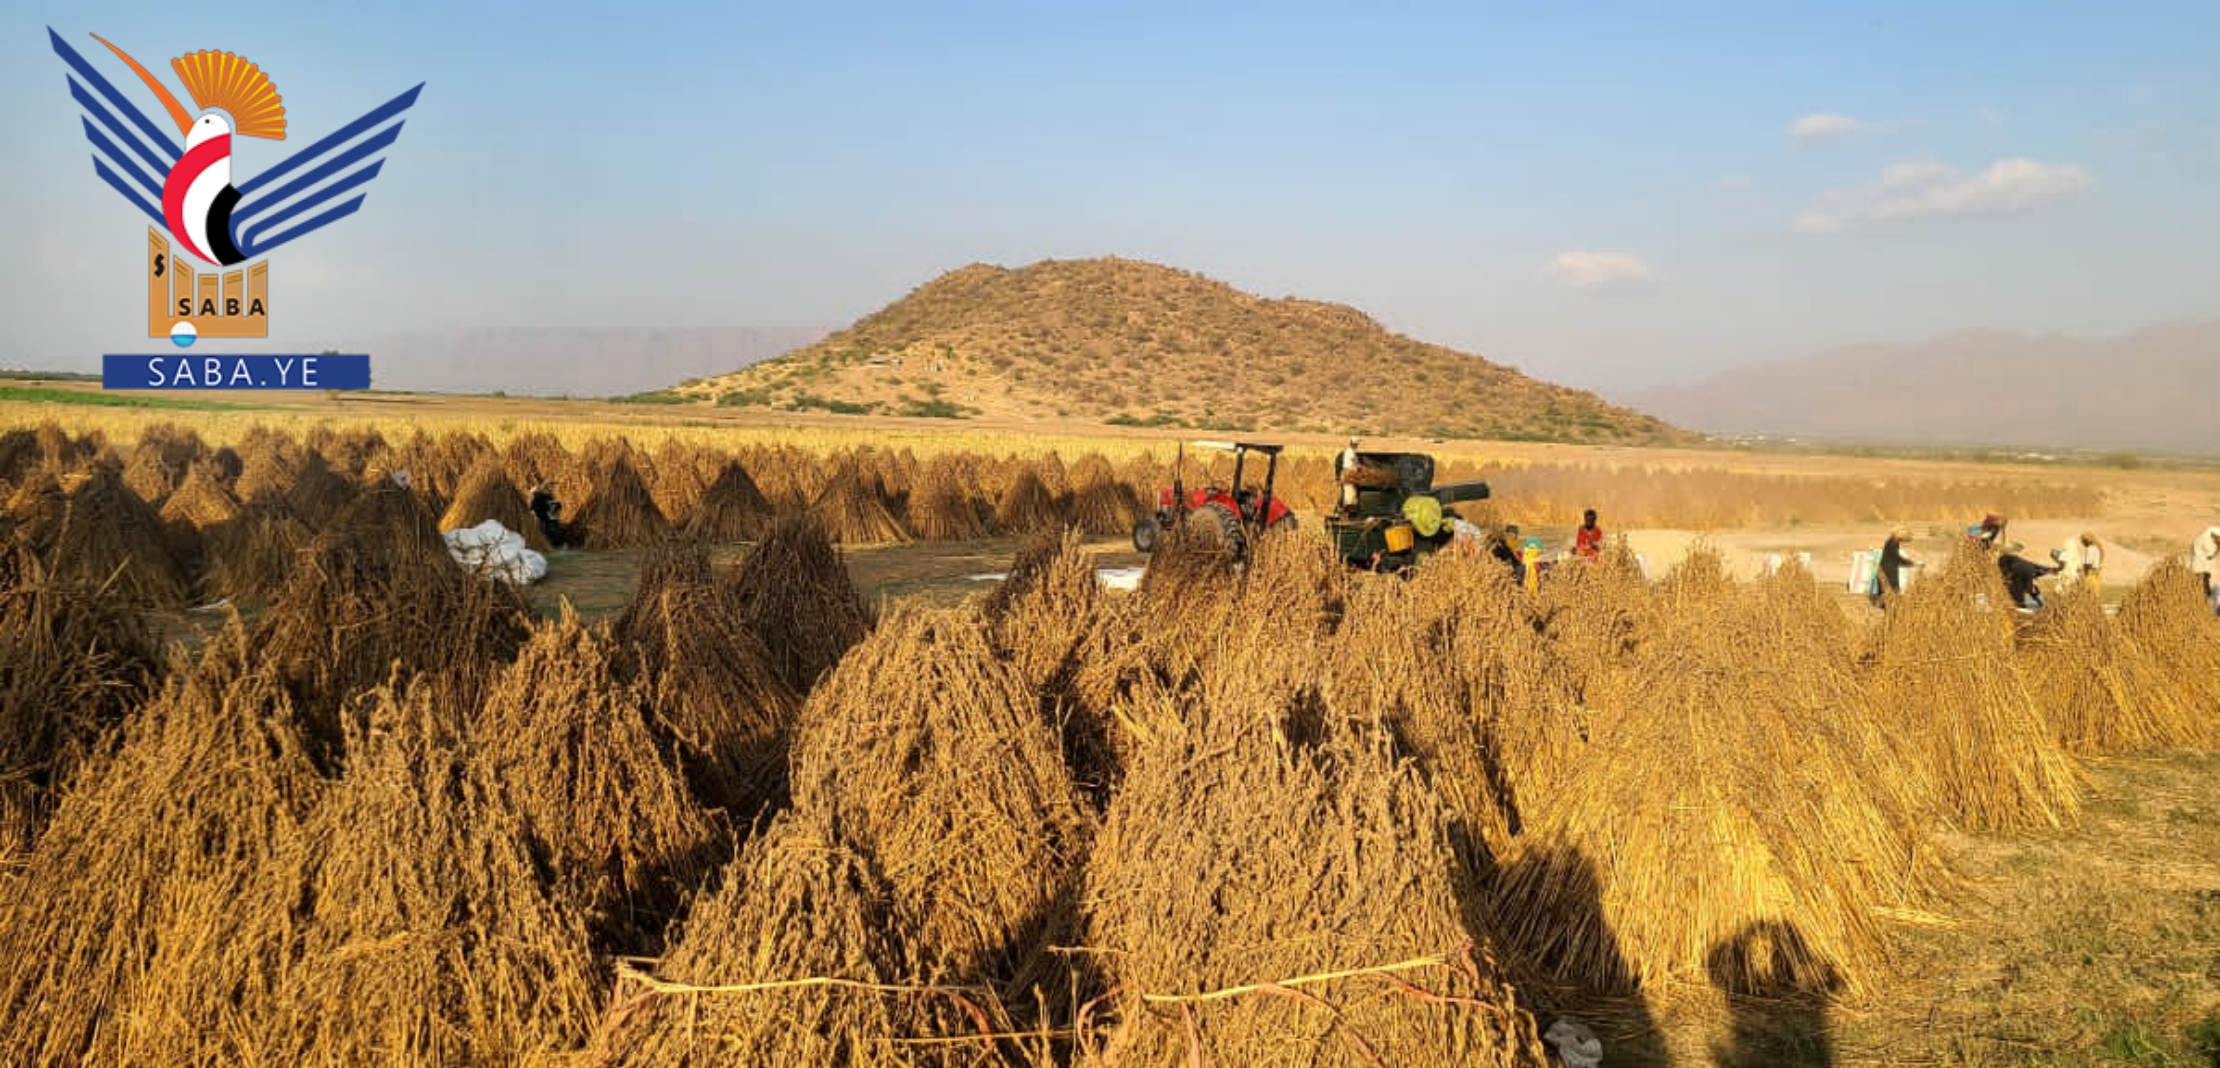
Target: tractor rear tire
x,y
1146,533
1214,525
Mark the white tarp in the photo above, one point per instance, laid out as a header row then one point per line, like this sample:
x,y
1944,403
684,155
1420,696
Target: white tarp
x,y
495,551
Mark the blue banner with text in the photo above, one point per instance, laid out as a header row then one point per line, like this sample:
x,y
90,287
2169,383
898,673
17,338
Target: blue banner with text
x,y
329,370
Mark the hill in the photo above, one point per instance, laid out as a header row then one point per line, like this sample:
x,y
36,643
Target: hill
x,y
2145,391
1129,343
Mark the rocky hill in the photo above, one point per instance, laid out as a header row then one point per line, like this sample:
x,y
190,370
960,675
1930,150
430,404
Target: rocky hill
x,y
1128,343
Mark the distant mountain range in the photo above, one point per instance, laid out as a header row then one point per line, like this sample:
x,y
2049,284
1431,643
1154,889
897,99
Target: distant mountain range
x,y
2154,390
1123,342
571,362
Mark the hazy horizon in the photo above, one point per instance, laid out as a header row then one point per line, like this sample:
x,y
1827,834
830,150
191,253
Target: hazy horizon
x,y
1608,202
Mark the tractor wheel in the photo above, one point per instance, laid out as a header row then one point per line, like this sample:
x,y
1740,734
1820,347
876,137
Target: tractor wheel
x,y
1146,532
1216,526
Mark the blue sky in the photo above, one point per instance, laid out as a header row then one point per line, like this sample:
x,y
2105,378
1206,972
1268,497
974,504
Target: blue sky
x,y
1608,195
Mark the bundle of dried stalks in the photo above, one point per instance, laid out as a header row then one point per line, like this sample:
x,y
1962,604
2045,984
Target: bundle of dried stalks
x,y
249,557
1735,773
269,465
621,513
731,509
854,512
714,697
2169,619
942,506
1595,615
148,475
486,493
108,536
675,481
428,937
201,501
534,457
19,453
1942,679
1100,502
2101,691
1143,642
150,924
567,747
73,660
376,591
350,451
796,597
928,754
1041,619
786,475
1449,662
1261,902
1025,505
788,962
37,507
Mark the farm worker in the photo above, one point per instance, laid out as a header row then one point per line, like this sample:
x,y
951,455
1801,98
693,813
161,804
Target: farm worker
x,y
2068,558
2020,574
1588,544
2092,563
549,512
1506,550
1530,558
1893,563
1347,462
2204,559
1991,531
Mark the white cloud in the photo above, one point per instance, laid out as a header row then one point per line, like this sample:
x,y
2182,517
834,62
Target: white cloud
x,y
1925,187
1592,270
1828,126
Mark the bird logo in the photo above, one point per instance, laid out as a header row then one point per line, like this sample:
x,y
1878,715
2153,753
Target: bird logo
x,y
199,202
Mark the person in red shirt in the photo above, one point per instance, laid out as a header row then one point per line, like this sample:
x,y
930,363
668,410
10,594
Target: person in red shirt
x,y
1589,543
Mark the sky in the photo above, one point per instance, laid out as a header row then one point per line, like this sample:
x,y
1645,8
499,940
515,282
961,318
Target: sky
x,y
1608,195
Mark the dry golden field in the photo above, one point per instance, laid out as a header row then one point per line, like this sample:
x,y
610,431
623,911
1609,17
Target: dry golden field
x,y
763,775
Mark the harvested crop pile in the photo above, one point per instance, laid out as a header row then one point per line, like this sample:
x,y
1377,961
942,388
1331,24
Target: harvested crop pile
x,y
1594,615
567,747
732,508
1450,662
854,512
199,504
941,507
350,451
37,508
929,756
269,465
535,457
73,660
19,453
148,475
675,482
378,591
1231,859
1941,675
1100,503
620,514
250,557
429,938
1025,505
1042,618
714,697
149,926
796,598
2168,617
318,493
799,922
2102,692
1735,773
486,493
108,536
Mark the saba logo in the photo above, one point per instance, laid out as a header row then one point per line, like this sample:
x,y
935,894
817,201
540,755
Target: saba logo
x,y
202,211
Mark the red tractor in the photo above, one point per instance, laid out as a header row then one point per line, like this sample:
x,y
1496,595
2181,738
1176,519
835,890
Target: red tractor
x,y
1233,514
